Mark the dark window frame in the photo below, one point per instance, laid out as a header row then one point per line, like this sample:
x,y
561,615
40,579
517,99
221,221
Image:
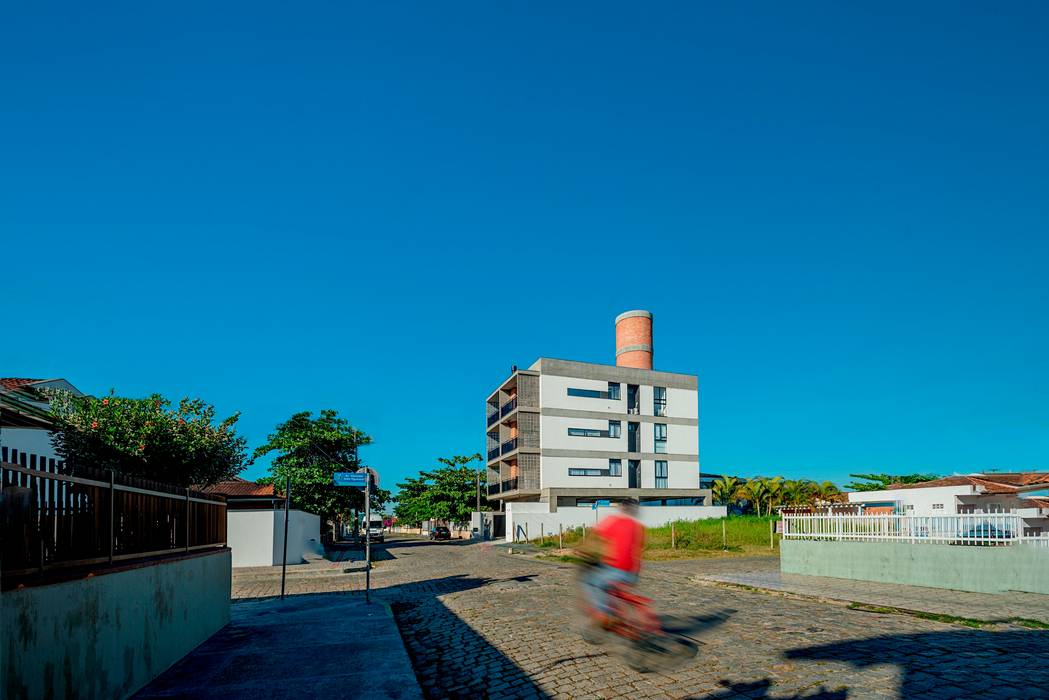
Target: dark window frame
x,y
587,471
659,405
663,477
587,432
615,391
587,393
615,466
657,441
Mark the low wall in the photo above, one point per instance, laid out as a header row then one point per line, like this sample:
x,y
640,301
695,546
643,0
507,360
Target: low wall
x,y
963,568
108,635
257,536
531,519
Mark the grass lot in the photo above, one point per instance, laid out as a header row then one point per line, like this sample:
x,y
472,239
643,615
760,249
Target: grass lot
x,y
746,534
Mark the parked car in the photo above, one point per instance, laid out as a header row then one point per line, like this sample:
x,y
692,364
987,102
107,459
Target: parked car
x,y
987,531
440,533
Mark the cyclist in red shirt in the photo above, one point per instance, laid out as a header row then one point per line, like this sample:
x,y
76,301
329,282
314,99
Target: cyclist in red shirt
x,y
622,539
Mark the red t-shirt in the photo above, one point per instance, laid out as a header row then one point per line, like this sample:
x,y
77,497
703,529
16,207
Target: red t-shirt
x,y
624,539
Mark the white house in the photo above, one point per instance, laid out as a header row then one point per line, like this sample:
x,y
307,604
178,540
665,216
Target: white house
x,y
1007,492
25,429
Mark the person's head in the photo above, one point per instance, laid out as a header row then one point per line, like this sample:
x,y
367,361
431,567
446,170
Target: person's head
x,y
628,506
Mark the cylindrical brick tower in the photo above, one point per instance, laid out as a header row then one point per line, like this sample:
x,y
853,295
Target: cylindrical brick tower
x,y
634,339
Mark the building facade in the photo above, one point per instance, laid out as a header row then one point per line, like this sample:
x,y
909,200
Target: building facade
x,y
576,434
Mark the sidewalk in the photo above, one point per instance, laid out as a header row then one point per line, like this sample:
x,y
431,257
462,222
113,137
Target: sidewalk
x,y
979,606
322,645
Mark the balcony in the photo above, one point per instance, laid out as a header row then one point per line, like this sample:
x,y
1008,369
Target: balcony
x,y
493,489
508,407
493,418
510,445
493,453
509,485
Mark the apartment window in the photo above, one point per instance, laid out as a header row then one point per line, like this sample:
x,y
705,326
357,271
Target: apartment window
x,y
576,471
660,430
587,432
613,391
615,467
659,401
661,474
910,506
937,506
615,429
588,393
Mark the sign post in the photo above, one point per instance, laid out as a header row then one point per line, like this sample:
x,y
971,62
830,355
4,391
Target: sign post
x,y
362,480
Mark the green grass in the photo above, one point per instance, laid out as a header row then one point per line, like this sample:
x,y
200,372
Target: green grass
x,y
746,534
950,619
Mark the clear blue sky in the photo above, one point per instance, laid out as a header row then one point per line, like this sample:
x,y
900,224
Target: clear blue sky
x,y
839,215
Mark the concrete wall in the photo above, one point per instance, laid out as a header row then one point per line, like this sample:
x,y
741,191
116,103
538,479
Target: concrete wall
x,y
962,568
257,536
537,518
108,635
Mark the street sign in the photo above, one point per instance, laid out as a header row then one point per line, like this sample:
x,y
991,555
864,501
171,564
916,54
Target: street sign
x,y
357,480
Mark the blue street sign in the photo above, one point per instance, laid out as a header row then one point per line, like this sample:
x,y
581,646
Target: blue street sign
x,y
357,480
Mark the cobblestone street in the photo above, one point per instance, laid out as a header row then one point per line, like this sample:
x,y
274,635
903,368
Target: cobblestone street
x,y
478,622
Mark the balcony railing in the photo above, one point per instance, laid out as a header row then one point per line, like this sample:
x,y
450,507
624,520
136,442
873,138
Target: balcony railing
x,y
493,453
509,485
493,418
508,406
493,489
510,445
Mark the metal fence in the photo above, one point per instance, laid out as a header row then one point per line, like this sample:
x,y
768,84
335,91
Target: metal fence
x,y
973,529
55,516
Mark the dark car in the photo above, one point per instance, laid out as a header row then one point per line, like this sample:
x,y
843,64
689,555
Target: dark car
x,y
440,533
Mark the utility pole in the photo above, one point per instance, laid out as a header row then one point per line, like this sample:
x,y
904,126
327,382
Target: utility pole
x,y
368,537
284,561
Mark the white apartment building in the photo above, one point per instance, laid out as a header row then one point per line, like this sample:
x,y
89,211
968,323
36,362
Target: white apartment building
x,y
567,437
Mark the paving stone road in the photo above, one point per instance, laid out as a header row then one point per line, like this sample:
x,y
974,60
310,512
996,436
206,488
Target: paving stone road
x,y
480,623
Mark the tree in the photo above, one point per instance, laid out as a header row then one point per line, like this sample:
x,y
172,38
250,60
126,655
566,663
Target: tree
x,y
879,482
310,451
756,492
726,490
480,480
147,438
412,505
446,493
825,492
797,492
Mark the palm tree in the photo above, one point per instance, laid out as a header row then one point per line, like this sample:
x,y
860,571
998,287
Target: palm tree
x,y
726,490
825,493
777,495
756,492
797,492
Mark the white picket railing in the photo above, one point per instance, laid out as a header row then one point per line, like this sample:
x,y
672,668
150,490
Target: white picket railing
x,y
974,529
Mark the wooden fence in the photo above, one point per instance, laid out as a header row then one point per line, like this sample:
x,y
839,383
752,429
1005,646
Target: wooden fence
x,y
55,516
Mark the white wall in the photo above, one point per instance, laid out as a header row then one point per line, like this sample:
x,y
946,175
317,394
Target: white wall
x,y
256,537
553,393
536,518
921,499
30,440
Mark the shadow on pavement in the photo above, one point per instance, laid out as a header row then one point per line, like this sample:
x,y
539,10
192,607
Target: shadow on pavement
x,y
954,664
760,689
450,659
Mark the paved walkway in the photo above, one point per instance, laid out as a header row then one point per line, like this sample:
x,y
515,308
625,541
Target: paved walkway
x,y
996,607
479,623
331,646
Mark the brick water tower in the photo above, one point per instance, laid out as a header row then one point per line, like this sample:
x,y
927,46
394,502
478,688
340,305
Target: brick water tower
x,y
634,339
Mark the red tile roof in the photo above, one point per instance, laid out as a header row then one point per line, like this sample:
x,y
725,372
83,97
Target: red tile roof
x,y
16,383
1004,482
242,487
1039,502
